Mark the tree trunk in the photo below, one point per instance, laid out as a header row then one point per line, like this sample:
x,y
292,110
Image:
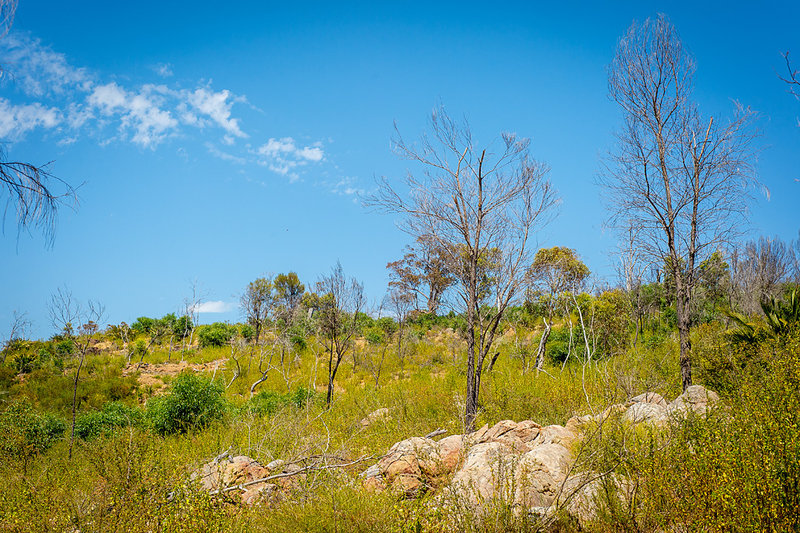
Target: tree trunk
x,y
684,324
542,345
74,403
471,408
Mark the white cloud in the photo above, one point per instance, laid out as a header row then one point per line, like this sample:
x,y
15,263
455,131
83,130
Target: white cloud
x,y
284,156
16,120
138,111
217,107
216,152
51,94
217,306
37,70
163,69
347,187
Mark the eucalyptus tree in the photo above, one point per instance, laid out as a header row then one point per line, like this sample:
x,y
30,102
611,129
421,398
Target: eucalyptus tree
x,y
481,206
681,178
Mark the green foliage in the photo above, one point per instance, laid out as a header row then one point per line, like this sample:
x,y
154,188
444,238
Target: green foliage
x,y
267,403
192,403
216,334
247,332
103,422
612,311
143,324
25,433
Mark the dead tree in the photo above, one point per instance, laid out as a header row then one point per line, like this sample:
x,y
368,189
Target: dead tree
x,y
78,323
340,302
481,208
681,178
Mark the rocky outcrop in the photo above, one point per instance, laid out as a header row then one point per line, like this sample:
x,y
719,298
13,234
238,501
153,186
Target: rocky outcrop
x,y
522,463
241,473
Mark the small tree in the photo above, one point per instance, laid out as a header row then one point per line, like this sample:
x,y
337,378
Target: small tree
x,y
480,207
77,323
422,272
339,303
555,270
289,292
257,303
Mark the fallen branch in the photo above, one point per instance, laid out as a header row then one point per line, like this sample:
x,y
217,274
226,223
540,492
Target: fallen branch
x,y
308,468
435,433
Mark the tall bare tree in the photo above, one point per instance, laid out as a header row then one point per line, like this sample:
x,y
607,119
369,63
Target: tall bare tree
x,y
480,206
682,179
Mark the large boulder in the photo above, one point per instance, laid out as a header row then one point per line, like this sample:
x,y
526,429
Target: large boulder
x,y
540,474
650,397
487,472
242,472
695,398
651,413
403,466
585,493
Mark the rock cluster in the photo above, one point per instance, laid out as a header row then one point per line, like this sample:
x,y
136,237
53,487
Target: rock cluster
x,y
521,463
240,476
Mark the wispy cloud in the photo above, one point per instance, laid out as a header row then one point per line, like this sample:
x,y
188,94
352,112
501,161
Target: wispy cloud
x,y
37,69
347,187
140,112
217,107
217,306
163,69
16,120
216,152
72,103
284,155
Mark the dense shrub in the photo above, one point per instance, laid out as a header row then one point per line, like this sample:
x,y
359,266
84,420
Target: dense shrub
x,y
103,422
24,432
216,334
193,403
270,402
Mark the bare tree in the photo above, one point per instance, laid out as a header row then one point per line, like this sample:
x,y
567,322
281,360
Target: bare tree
x,y
759,271
792,78
339,304
78,323
481,208
257,303
19,330
681,179
32,191
400,303
191,309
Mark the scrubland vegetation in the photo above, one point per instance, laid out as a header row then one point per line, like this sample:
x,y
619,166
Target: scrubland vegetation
x,y
137,441
106,428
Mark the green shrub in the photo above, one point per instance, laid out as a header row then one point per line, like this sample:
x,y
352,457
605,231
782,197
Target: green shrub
x,y
216,334
24,432
270,402
103,422
247,332
192,403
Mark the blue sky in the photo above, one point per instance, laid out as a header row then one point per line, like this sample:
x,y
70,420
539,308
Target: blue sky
x,y
219,143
